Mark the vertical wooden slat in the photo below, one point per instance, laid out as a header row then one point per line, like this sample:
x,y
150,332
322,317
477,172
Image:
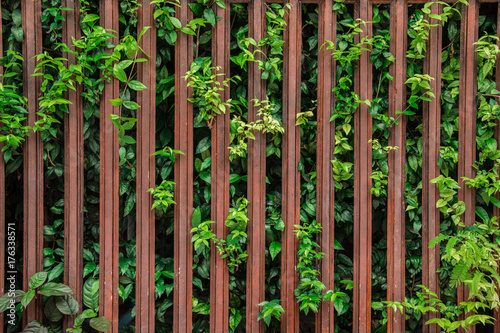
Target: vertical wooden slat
x,y
496,210
109,189
362,182
397,168
146,125
256,181
33,155
326,143
431,139
2,198
291,176
73,168
183,210
219,272
467,120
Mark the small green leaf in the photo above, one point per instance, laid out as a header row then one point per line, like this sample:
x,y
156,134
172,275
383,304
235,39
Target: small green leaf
x,y
136,85
131,105
119,74
38,279
116,101
90,18
482,213
27,297
274,249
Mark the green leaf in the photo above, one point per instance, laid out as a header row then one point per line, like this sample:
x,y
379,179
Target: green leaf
x,y
34,327
18,34
116,101
196,217
119,74
129,204
37,279
482,213
175,22
56,271
17,17
209,15
101,324
55,289
67,305
203,145
495,201
51,311
27,297
131,105
274,249
136,85
90,18
90,299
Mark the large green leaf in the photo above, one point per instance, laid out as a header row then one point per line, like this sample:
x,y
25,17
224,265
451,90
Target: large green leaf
x,y
51,311
67,304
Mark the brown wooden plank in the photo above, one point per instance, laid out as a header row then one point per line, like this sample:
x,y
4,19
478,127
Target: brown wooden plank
x,y
291,176
146,125
109,190
326,143
33,155
397,168
219,272
256,261
467,119
73,168
362,183
183,196
431,139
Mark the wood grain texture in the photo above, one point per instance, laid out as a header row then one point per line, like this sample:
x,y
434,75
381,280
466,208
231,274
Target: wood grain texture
x,y
431,139
397,168
33,177
325,146
109,210
183,175
146,130
291,176
256,260
362,182
73,168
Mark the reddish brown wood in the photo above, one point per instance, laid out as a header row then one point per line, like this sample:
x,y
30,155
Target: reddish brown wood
x,y
362,183
397,168
73,169
219,272
326,143
431,139
467,119
183,196
109,190
291,176
145,260
33,155
256,260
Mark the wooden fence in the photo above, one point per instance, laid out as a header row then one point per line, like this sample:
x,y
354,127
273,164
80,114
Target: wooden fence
x,y
219,294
